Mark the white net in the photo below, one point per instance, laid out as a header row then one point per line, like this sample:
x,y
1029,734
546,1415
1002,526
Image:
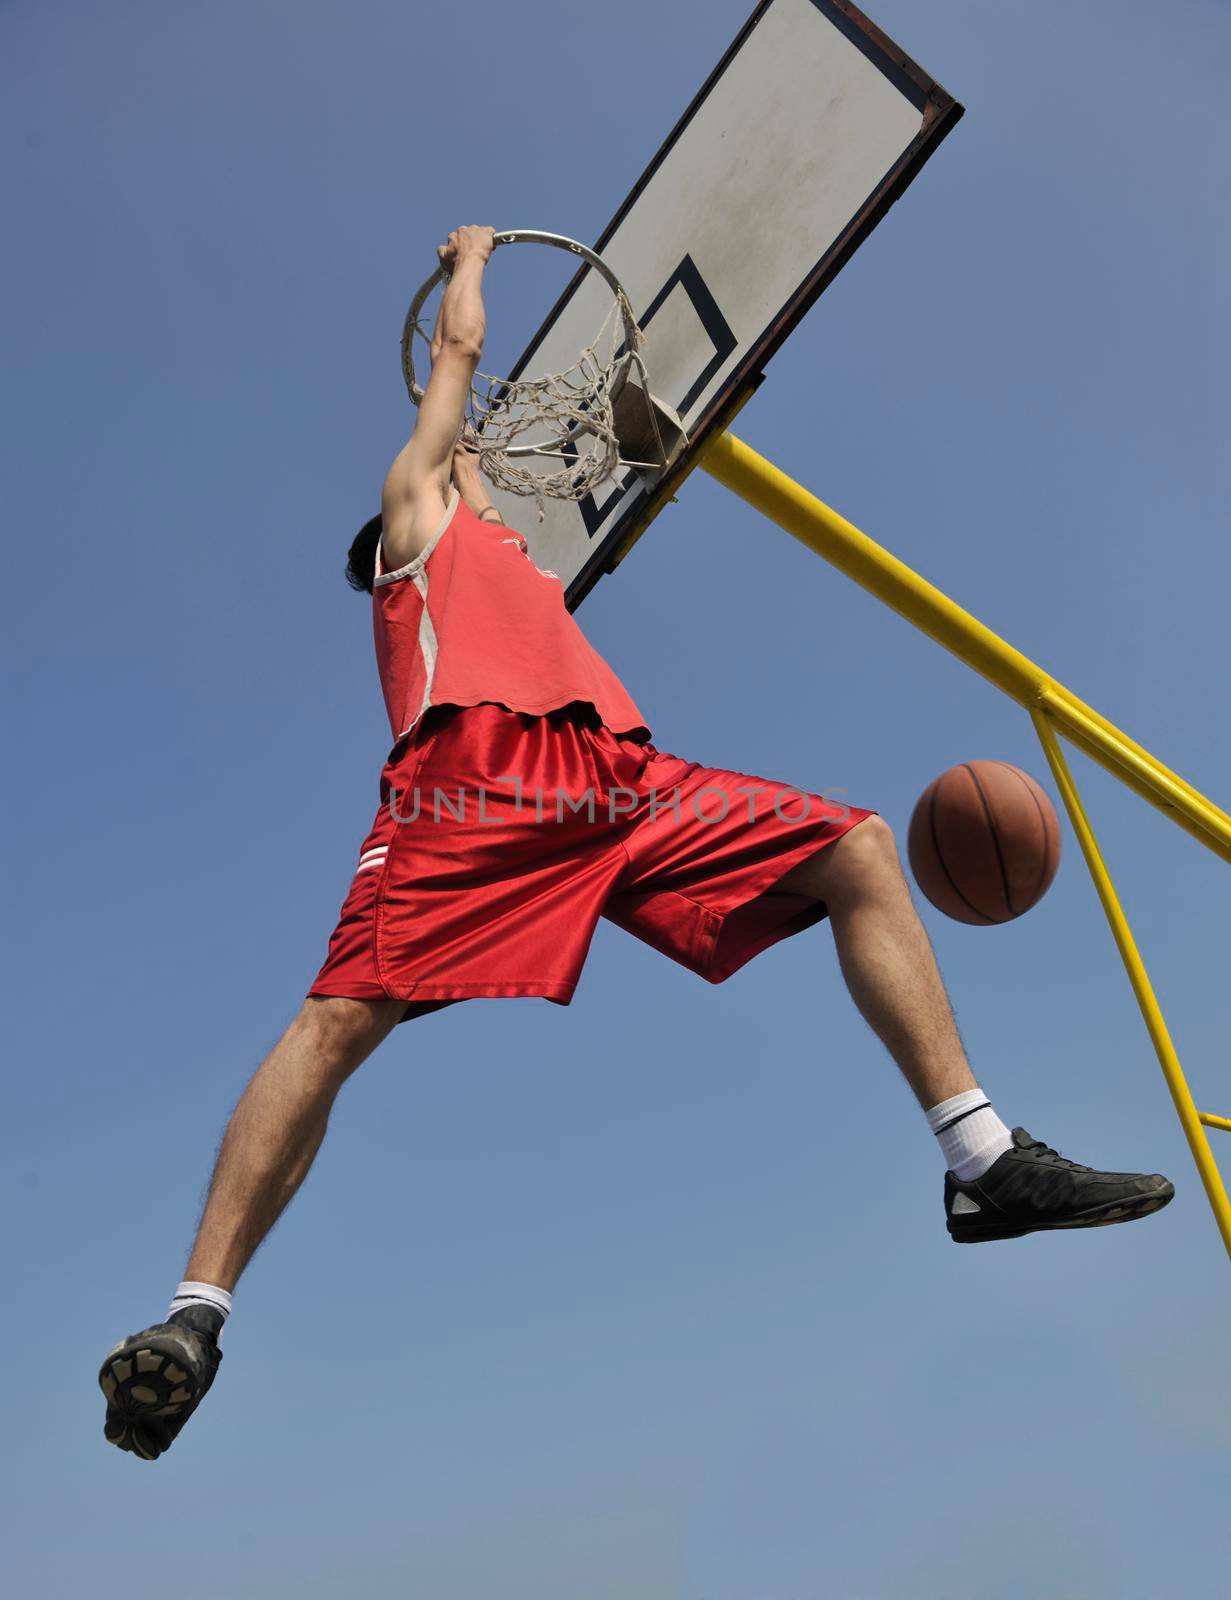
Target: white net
x,y
552,436
567,416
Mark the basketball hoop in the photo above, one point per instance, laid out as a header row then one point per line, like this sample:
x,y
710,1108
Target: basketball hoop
x,y
594,418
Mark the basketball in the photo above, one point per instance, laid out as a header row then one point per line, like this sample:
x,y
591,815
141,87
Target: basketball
x,y
984,842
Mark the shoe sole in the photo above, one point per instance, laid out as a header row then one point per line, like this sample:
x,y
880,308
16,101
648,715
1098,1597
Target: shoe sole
x,y
150,1375
1105,1216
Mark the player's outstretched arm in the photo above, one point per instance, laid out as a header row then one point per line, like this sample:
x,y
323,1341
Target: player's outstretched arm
x,y
417,486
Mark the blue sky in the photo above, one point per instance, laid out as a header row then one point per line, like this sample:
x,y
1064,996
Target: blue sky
x,y
651,1296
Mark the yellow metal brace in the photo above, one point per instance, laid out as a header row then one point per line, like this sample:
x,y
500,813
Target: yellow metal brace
x,y
756,480
1190,1118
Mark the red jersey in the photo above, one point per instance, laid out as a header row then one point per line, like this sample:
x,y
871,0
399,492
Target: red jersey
x,y
471,620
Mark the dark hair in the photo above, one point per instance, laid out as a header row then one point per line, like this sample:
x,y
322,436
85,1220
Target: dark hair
x,y
361,561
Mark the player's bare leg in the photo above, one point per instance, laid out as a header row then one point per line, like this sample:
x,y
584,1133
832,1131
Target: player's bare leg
x,y
1001,1184
154,1380
277,1128
886,957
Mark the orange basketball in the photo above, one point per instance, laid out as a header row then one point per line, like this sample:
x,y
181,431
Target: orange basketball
x,y
984,842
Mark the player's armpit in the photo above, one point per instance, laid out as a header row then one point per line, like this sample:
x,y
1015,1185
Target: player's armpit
x,y
409,517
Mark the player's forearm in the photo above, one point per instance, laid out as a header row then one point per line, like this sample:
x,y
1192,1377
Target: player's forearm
x,y
473,490
436,339
462,321
481,505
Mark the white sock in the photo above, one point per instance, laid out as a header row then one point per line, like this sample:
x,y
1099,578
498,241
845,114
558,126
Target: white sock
x,y
971,1135
190,1293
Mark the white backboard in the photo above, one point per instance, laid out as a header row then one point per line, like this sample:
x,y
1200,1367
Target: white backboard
x,y
809,128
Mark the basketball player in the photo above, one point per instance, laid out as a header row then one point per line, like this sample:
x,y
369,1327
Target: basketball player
x,y
558,809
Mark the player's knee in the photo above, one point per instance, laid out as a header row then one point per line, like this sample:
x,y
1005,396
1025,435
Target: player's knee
x,y
339,1032
875,837
868,850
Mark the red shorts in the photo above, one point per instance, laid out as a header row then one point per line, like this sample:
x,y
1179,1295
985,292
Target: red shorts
x,y
501,839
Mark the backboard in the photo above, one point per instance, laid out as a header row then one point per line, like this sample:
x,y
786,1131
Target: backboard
x,y
800,140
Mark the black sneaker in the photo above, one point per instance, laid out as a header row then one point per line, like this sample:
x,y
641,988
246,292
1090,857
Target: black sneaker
x,y
1031,1188
154,1380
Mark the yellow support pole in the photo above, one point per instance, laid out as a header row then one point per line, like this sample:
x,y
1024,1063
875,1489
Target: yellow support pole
x,y
1190,1118
739,468
756,480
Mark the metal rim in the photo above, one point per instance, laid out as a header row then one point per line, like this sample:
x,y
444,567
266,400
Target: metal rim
x,y
525,236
